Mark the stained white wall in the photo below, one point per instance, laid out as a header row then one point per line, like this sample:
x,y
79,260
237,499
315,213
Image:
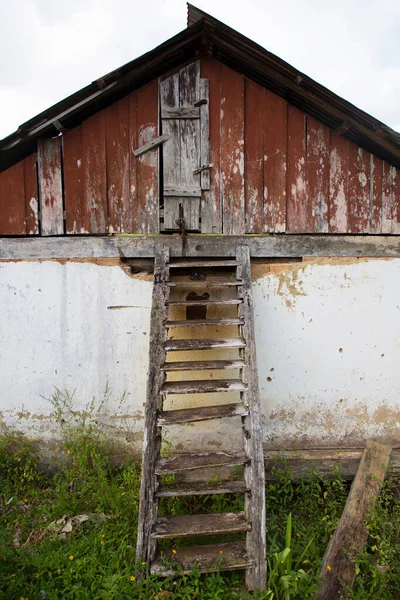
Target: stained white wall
x,y
78,327
328,344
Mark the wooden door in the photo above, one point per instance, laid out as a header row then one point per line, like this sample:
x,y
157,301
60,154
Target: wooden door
x,y
185,155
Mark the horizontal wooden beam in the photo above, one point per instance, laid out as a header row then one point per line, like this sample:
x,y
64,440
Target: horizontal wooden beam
x,y
326,462
142,246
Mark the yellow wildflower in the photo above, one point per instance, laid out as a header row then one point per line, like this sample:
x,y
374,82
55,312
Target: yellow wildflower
x,y
103,535
143,563
329,568
132,578
71,557
220,552
102,542
174,551
58,571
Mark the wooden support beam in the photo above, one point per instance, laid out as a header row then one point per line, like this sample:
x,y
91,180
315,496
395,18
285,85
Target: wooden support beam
x,y
338,570
151,145
143,246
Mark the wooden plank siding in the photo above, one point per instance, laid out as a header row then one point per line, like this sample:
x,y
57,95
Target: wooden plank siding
x,y
274,169
107,189
50,186
19,199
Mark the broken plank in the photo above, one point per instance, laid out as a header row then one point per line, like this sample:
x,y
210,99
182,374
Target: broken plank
x,y
338,569
216,557
202,322
205,283
203,365
200,460
175,490
212,524
203,302
203,344
203,386
202,413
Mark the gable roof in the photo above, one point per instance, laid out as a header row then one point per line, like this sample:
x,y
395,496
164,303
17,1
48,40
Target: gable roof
x,y
205,34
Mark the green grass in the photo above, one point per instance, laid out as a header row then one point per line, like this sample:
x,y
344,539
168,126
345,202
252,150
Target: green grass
x,y
96,560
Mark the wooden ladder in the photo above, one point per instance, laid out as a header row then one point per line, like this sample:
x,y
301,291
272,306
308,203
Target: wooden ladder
x,y
249,553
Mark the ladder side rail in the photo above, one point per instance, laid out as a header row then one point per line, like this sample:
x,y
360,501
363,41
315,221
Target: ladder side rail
x,y
146,545
254,470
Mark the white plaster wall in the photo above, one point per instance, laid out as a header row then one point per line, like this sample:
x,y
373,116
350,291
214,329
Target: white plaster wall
x,y
77,327
328,344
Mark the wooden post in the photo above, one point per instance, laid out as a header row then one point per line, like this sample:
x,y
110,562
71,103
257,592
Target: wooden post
x,y
254,470
338,569
146,545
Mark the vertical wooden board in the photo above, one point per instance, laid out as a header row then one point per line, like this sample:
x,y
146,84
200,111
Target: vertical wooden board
x,y
73,181
117,149
254,98
94,174
191,208
169,98
375,194
387,198
50,186
358,190
396,200
12,201
189,135
338,184
232,151
204,95
275,163
146,218
318,142
211,210
133,144
297,202
31,195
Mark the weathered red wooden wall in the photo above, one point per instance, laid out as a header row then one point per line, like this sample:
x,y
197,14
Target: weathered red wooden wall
x,y
278,170
275,169
19,199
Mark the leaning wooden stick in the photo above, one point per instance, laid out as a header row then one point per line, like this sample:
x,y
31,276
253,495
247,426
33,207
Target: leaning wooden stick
x,y
338,568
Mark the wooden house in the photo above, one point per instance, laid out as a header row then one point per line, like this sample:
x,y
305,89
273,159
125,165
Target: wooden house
x,y
206,144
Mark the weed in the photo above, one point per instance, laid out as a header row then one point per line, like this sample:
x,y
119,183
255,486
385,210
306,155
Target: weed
x,y
95,558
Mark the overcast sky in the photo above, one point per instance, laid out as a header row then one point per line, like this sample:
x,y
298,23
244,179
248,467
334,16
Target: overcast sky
x,y
51,48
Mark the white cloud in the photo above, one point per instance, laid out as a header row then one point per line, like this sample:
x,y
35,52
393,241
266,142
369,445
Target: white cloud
x,y
52,48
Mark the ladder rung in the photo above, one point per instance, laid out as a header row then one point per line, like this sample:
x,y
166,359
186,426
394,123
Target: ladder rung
x,y
212,524
203,365
200,460
200,488
204,344
215,557
200,386
203,302
205,283
203,263
203,322
202,413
